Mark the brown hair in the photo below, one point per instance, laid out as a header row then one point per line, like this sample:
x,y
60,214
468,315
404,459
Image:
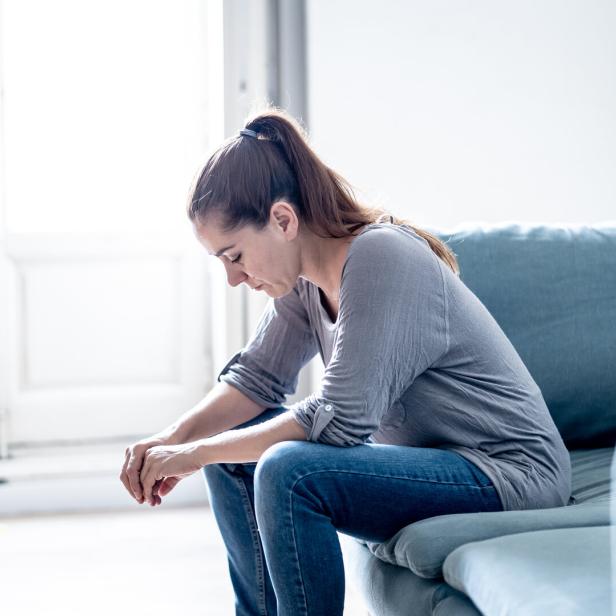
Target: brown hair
x,y
245,176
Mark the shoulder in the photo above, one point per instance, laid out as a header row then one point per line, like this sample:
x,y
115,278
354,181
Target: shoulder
x,y
387,269
382,247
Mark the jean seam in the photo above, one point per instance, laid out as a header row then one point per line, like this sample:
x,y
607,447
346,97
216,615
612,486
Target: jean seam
x,y
259,559
451,483
299,569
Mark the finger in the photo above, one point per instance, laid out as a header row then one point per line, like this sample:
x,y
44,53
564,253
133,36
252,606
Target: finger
x,y
156,487
133,473
148,477
147,484
124,476
167,484
155,492
124,480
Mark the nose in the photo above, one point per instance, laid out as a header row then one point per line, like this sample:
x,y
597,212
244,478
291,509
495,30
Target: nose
x,y
235,275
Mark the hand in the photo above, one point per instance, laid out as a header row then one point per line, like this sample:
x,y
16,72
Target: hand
x,y
168,463
133,462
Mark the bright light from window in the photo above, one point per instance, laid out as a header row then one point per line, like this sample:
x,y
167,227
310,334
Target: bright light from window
x,y
107,109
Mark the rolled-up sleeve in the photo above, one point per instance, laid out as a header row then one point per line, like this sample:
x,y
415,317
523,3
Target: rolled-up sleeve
x,y
392,326
266,370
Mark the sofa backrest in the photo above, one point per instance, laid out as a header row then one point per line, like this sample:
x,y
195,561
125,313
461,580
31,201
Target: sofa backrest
x,y
552,289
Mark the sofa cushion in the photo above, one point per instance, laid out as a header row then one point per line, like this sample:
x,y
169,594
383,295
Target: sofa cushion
x,y
387,590
553,292
590,474
423,546
564,571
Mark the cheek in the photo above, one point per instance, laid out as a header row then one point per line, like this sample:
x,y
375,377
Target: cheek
x,y
269,277
266,267
273,267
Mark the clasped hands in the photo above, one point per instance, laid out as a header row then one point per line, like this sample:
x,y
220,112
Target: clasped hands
x,y
153,467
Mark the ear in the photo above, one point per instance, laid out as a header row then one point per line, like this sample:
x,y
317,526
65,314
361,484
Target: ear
x,y
283,216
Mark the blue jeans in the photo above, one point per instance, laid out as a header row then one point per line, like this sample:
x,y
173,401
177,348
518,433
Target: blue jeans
x,y
278,518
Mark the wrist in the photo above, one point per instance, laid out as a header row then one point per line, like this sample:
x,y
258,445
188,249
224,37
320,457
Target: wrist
x,y
203,450
170,436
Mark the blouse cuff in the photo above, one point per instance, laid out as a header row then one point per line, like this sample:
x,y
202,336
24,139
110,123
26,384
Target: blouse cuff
x,y
315,416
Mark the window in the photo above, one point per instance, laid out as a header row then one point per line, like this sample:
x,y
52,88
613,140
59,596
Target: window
x,y
105,112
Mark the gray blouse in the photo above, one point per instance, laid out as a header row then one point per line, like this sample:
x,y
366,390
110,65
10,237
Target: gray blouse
x,y
414,358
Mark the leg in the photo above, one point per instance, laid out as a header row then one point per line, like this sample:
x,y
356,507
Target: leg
x,y
305,492
231,496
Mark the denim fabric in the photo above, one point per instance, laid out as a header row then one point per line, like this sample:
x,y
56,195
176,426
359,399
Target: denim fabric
x,y
279,517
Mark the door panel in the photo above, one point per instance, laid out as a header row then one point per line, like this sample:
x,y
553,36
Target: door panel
x,y
107,338
104,313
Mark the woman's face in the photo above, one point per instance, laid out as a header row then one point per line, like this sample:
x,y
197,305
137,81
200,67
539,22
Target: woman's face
x,y
267,260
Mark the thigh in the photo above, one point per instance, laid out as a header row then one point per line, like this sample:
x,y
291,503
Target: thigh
x,y
371,491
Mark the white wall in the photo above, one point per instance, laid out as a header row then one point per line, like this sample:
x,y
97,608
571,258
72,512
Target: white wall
x,y
448,112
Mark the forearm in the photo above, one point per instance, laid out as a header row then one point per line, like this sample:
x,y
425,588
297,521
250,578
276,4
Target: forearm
x,y
248,444
223,408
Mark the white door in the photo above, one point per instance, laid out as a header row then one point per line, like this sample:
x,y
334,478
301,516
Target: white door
x,y
103,307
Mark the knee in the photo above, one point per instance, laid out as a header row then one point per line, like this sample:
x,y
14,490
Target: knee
x,y
278,460
280,466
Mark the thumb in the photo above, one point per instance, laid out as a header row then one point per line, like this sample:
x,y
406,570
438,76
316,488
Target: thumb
x,y
167,484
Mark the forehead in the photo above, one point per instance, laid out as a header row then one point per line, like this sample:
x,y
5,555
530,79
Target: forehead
x,y
214,240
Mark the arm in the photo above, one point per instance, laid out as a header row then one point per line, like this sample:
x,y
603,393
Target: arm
x,y
223,408
264,372
248,444
267,368
392,326
259,376
165,465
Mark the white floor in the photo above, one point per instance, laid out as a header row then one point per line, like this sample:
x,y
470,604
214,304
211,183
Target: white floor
x,y
150,561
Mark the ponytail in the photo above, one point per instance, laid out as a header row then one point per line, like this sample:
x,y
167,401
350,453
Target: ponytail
x,y
246,175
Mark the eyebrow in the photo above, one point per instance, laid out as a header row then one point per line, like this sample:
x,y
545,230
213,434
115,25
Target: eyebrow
x,y
223,250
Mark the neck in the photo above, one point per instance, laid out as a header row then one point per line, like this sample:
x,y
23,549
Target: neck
x,y
322,263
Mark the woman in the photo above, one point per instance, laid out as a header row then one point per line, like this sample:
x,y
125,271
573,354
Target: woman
x,y
425,408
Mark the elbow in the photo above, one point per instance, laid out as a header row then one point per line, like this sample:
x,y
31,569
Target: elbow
x,y
330,427
342,436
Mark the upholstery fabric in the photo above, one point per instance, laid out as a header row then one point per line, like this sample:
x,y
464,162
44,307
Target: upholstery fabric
x,y
388,590
553,292
563,571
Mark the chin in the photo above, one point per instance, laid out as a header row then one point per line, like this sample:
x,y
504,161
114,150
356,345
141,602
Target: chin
x,y
272,292
270,289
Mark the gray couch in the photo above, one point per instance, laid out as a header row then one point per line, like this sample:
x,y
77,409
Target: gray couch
x,y
552,289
